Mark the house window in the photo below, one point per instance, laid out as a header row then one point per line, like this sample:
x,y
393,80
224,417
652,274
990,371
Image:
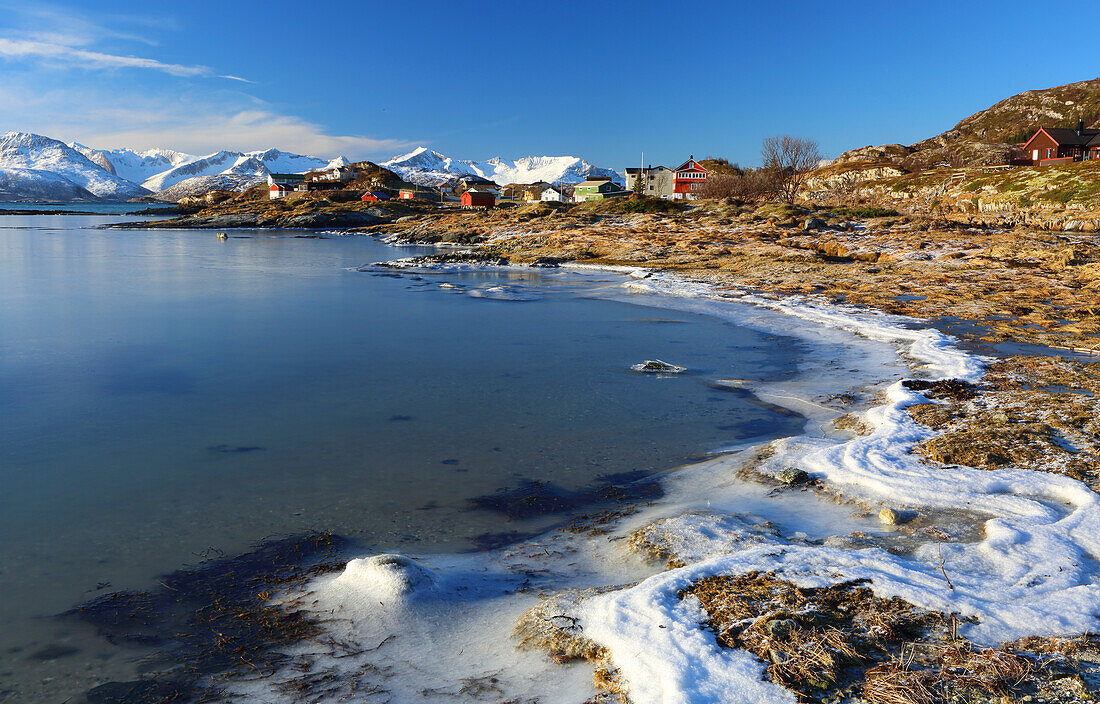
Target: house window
x,y
1048,153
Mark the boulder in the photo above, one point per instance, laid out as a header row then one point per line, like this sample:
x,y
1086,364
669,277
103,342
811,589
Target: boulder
x,y
792,476
656,365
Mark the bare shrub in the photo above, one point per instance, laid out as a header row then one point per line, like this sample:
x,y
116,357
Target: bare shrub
x,y
790,160
748,185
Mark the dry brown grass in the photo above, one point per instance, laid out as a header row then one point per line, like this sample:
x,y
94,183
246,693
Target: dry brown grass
x,y
1031,412
893,682
811,638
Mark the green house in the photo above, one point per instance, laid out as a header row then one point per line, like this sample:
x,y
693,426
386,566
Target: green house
x,y
597,188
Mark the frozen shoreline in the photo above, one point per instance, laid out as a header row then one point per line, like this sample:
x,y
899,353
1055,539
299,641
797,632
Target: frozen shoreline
x,y
441,626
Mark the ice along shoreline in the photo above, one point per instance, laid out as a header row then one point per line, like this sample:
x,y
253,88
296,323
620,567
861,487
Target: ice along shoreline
x,y
651,639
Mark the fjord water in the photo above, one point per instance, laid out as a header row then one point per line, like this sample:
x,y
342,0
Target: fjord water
x,y
163,393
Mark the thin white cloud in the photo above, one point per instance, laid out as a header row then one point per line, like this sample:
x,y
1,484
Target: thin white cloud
x,y
195,122
68,26
83,58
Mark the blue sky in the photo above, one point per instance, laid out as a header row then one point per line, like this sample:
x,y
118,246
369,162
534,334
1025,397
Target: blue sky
x,y
603,81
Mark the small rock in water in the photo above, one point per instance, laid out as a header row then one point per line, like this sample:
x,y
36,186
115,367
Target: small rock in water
x,y
656,365
792,476
892,517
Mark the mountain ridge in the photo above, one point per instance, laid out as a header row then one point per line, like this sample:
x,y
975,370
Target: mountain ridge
x,y
35,167
429,167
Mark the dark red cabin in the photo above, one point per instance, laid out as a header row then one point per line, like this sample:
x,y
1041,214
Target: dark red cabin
x,y
474,198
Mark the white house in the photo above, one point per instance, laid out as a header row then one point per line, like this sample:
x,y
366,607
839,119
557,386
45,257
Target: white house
x,y
658,181
551,194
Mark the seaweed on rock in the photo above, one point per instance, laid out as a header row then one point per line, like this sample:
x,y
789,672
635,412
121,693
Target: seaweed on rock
x,y
216,620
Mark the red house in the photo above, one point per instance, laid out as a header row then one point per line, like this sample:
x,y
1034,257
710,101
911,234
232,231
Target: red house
x,y
406,194
374,195
689,180
278,190
1058,144
476,198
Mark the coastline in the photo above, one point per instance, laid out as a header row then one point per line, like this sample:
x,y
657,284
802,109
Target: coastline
x,y
870,472
430,589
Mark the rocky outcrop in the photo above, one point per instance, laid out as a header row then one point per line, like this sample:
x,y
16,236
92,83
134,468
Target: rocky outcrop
x,y
302,221
885,152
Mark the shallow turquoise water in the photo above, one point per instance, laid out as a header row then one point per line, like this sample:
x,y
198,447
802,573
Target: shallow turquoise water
x,y
166,392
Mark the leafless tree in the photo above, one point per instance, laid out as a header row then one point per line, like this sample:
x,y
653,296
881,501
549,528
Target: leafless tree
x,y
790,159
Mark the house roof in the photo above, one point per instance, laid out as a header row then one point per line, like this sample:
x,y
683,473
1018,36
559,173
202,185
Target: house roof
x,y
691,165
482,191
594,182
475,179
648,169
1069,137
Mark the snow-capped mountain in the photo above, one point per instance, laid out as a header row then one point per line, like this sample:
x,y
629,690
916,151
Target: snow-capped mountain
x,y
26,158
427,167
136,167
33,167
256,164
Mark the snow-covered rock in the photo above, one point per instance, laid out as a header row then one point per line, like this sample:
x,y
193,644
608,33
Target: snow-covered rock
x,y
198,185
21,151
428,167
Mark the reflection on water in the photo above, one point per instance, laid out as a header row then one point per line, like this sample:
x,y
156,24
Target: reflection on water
x,y
163,393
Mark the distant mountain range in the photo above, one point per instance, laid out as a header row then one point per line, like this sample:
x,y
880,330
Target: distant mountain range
x,y
430,168
33,167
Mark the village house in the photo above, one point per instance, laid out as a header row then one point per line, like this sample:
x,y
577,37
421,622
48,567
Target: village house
x,y
689,181
280,185
406,194
552,194
340,174
596,188
277,190
532,193
478,198
373,196
467,182
1052,145
658,181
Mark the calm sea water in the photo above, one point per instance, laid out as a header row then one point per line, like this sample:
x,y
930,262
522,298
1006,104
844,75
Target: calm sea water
x,y
99,208
162,393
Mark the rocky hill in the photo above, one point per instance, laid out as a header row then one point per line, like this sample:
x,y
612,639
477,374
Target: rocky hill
x,y
1013,120
991,136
